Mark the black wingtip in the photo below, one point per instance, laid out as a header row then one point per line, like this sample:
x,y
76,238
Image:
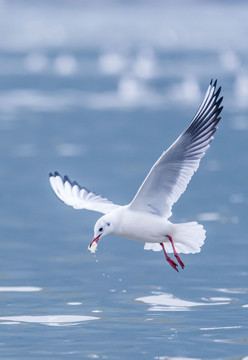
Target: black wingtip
x,y
72,183
219,110
218,92
215,83
66,179
219,101
53,175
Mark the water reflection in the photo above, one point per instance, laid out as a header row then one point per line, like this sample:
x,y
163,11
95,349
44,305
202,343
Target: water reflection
x,y
19,289
50,320
174,358
168,302
222,328
233,291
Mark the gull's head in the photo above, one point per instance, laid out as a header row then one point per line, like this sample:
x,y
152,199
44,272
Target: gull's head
x,y
102,227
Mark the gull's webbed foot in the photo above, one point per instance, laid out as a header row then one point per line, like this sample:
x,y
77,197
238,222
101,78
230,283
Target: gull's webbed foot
x,y
179,261
172,263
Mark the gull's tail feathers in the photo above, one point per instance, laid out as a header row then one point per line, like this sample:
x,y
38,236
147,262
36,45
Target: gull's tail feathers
x,y
187,237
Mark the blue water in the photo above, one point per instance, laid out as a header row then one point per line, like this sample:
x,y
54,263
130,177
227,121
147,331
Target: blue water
x,y
97,92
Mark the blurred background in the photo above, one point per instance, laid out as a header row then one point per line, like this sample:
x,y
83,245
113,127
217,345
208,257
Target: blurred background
x,y
98,90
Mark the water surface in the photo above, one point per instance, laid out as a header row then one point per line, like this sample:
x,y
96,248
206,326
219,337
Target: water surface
x,y
74,101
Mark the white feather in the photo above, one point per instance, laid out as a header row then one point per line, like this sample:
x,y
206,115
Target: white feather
x,y
79,198
170,175
187,237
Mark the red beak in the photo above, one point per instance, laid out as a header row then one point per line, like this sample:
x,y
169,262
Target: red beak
x,y
95,239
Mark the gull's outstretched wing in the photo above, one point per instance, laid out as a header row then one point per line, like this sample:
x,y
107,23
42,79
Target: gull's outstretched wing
x,y
79,197
170,175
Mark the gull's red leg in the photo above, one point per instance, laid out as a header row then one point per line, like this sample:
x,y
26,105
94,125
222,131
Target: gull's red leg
x,y
175,253
170,261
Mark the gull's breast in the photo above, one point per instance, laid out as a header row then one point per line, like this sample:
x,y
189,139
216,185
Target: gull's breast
x,y
142,226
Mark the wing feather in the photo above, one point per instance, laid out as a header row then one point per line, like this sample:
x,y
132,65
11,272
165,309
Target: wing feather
x,y
170,175
79,197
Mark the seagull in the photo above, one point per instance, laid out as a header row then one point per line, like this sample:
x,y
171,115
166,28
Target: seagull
x,y
146,217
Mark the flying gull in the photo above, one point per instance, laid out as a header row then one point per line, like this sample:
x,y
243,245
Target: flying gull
x,y
146,217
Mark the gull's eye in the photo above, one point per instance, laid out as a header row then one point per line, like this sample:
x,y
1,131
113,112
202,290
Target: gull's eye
x,y
101,229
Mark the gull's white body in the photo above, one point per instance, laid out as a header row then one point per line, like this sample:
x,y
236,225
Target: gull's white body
x,y
125,222
146,217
